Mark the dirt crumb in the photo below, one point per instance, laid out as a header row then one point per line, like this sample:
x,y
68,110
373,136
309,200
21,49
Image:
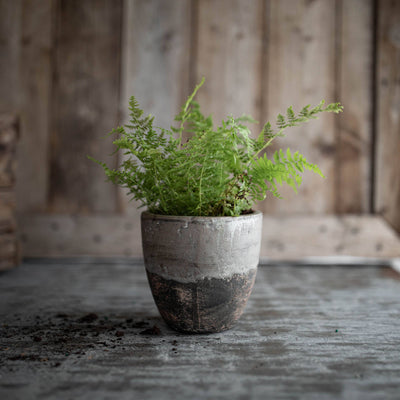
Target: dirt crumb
x,y
88,318
155,330
140,324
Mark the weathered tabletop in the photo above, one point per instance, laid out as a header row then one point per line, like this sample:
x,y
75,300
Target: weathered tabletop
x,y
90,330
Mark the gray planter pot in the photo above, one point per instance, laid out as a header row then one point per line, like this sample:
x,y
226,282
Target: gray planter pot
x,y
201,270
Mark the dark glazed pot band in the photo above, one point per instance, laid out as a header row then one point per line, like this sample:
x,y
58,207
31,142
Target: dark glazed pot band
x,y
206,306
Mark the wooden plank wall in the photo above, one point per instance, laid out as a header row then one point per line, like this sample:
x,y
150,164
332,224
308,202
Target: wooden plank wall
x,y
387,188
77,63
156,63
10,27
300,71
228,53
85,105
10,49
9,249
354,89
35,79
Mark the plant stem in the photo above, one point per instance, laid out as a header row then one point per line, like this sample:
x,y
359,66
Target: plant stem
x,y
185,110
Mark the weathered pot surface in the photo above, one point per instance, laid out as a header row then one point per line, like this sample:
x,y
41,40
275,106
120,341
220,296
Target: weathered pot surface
x,y
201,270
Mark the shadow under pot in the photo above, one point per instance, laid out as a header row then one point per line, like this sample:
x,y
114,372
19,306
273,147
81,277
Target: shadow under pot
x,y
201,270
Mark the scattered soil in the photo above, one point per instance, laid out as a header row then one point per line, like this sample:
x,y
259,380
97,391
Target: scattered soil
x,y
155,330
61,315
140,324
53,339
89,318
26,357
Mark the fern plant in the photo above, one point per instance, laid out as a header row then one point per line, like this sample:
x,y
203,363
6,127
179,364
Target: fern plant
x,y
219,171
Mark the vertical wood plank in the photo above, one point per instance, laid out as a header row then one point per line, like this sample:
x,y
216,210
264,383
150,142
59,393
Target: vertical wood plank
x,y
155,66
229,56
8,146
387,179
35,81
355,124
8,236
10,24
7,212
85,101
300,71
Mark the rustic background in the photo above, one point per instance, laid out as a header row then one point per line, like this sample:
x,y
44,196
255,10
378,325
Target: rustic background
x,y
68,68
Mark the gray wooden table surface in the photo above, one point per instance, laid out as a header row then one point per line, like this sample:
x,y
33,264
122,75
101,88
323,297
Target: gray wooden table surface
x,y
90,330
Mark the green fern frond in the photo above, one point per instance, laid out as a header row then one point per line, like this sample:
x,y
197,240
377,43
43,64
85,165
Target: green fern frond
x,y
218,171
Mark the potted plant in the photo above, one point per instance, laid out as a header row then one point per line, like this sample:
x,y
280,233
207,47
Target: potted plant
x,y
200,234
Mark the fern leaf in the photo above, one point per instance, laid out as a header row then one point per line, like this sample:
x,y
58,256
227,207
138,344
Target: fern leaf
x,y
280,121
291,116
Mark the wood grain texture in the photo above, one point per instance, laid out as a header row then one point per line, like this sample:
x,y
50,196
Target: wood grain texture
x,y
258,57
229,55
289,238
387,180
301,70
295,237
9,130
85,100
353,162
9,255
7,212
10,35
155,66
58,235
307,333
35,81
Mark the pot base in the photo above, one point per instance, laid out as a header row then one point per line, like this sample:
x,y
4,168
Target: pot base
x,y
206,306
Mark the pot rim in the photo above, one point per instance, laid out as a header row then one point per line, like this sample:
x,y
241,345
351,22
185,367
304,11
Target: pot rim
x,y
149,215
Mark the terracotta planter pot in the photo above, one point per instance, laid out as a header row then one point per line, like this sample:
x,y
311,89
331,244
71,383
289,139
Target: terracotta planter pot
x,y
201,270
